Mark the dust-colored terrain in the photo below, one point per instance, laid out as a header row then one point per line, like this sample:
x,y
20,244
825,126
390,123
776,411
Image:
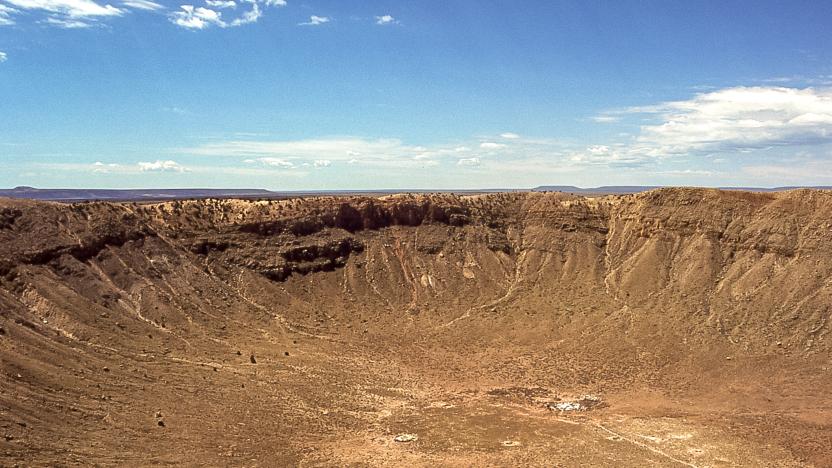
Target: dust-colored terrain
x,y
676,327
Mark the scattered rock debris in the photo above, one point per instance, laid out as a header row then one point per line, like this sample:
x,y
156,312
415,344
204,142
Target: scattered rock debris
x,y
253,361
406,438
582,403
566,406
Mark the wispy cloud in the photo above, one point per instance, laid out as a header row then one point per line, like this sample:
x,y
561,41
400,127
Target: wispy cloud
x,y
72,14
327,151
606,118
202,17
221,4
3,57
754,127
468,162
382,153
176,110
100,167
196,17
104,168
730,121
68,14
610,156
69,8
490,145
316,21
385,20
161,166
68,23
6,15
740,118
273,162
817,80
143,5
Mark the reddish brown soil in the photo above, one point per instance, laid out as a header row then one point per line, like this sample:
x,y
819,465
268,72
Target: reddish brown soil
x,y
312,332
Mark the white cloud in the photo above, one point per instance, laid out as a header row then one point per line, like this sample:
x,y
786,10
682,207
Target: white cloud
x,y
85,13
739,118
3,57
391,154
315,21
101,168
606,118
687,173
69,8
6,14
193,17
728,122
510,136
822,80
605,155
490,145
161,166
176,110
385,19
322,163
333,149
221,4
196,17
142,5
468,162
273,162
68,23
380,152
72,14
251,16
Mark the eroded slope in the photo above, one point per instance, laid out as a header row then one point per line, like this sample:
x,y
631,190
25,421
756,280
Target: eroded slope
x,y
311,331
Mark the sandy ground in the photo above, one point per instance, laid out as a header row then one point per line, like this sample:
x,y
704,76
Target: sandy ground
x,y
692,327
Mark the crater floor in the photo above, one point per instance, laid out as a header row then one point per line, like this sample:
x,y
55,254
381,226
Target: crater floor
x,y
679,327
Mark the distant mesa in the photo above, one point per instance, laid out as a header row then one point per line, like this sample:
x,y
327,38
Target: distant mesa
x,y
128,194
149,194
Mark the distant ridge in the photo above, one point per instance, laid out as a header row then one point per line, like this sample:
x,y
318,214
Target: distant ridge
x,y
77,195
627,189
126,194
70,195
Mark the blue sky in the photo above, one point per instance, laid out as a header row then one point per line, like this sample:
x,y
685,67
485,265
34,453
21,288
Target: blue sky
x,y
419,94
